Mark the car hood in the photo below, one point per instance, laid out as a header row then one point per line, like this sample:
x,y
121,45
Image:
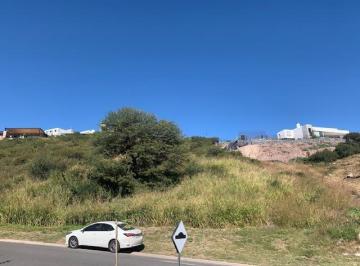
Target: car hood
x,y
75,231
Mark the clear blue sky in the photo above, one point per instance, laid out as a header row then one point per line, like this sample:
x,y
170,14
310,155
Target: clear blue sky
x,y
216,68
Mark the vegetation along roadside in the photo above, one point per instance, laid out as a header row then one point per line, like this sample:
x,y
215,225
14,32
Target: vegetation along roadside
x,y
143,170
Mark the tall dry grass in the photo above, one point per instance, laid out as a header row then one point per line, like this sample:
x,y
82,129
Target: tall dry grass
x,y
227,192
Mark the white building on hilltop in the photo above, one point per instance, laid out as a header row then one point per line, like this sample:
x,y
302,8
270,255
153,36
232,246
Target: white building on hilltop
x,y
308,131
58,131
88,132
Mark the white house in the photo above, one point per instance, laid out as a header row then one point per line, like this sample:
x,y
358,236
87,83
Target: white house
x,y
58,131
87,132
286,134
308,131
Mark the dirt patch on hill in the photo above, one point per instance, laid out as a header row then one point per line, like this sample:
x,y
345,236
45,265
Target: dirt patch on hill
x,y
348,171
285,151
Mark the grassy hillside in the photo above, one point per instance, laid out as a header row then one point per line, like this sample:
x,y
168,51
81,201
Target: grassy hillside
x,y
223,191
291,212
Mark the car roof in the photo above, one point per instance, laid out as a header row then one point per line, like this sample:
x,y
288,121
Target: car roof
x,y
105,222
109,222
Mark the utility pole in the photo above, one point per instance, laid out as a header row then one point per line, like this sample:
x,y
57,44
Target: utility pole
x,y
116,243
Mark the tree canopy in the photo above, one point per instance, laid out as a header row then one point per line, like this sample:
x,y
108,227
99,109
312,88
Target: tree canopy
x,y
149,150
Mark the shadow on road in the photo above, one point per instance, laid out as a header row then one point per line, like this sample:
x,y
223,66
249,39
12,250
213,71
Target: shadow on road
x,y
5,261
123,250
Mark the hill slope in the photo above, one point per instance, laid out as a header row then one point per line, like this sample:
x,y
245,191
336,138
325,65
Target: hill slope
x,y
223,191
346,172
289,212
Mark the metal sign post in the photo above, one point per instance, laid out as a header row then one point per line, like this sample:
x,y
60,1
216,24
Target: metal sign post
x,y
179,238
116,243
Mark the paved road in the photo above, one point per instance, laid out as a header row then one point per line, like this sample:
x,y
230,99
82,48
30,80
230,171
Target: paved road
x,y
15,254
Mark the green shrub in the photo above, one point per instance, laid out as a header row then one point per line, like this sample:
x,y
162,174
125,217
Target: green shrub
x,y
275,183
323,156
354,215
78,187
114,176
41,167
347,149
345,232
215,151
192,168
352,137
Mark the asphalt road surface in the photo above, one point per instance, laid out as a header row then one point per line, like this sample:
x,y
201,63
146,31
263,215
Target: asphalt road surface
x,y
14,254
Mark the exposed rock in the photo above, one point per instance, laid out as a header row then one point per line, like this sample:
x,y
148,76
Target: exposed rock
x,y
283,150
352,176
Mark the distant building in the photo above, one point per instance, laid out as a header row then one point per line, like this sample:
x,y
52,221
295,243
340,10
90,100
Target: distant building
x,y
308,131
58,131
23,132
286,134
87,132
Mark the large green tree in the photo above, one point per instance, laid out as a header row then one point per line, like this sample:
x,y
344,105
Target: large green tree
x,y
148,149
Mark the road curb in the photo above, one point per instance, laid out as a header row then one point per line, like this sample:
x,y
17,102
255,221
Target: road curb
x,y
220,263
37,243
148,255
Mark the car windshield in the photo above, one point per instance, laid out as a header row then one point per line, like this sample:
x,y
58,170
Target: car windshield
x,y
126,227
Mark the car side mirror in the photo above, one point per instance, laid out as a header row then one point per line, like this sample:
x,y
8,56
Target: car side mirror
x,y
82,231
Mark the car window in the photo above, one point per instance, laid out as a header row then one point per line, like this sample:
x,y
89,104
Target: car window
x,y
93,227
99,227
107,227
126,227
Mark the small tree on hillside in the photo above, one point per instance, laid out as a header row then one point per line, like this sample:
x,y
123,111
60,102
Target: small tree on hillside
x,y
350,147
323,156
150,148
352,137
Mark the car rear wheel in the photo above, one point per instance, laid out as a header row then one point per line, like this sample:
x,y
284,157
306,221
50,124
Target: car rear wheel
x,y
73,242
112,246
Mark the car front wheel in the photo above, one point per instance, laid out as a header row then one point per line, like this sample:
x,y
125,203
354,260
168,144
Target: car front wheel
x,y
112,246
73,242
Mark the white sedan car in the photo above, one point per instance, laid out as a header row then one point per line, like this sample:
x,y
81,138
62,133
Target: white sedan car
x,y
102,234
